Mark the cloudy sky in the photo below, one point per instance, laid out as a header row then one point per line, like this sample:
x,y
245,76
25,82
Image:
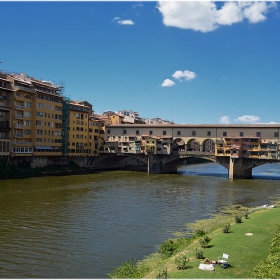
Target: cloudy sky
x,y
190,62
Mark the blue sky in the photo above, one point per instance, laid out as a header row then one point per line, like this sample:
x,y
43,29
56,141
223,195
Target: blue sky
x,y
189,62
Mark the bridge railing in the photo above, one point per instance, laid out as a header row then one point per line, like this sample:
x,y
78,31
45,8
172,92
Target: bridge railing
x,y
195,153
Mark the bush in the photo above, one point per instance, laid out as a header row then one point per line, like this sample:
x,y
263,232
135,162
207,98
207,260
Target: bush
x,y
199,233
129,269
204,241
181,261
170,246
238,219
163,275
226,228
199,254
246,214
167,248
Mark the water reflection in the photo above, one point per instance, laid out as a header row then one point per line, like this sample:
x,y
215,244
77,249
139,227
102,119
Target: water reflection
x,y
83,226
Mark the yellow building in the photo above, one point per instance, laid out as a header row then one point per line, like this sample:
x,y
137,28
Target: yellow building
x,y
97,133
79,128
36,117
116,118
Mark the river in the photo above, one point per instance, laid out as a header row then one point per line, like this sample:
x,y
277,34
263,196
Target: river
x,y
83,226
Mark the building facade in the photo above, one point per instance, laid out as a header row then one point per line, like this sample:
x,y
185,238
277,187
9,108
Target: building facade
x,y
36,117
5,115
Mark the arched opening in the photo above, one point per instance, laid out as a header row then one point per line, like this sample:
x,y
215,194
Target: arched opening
x,y
193,145
179,144
208,145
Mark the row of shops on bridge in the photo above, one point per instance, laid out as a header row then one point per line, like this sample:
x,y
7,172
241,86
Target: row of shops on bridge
x,y
235,147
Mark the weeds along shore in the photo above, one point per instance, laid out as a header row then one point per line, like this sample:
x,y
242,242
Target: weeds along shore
x,y
250,236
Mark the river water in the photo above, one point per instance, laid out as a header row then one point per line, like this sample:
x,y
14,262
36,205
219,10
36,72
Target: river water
x,y
83,226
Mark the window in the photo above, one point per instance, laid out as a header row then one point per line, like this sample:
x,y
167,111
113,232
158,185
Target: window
x,y
208,133
27,123
193,133
27,132
124,131
225,134
276,134
164,132
108,131
137,132
241,134
28,104
151,132
258,134
39,114
39,105
27,114
178,132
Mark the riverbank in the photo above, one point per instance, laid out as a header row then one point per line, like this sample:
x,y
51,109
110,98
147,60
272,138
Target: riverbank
x,y
247,243
23,170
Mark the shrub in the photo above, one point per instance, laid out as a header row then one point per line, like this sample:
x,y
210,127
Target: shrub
x,y
226,228
170,246
181,261
246,214
199,233
238,218
204,241
163,275
129,269
167,248
199,254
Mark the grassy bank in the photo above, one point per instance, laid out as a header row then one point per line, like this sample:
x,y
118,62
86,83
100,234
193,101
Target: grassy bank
x,y
245,252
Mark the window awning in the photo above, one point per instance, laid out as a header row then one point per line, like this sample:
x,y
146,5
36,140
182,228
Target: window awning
x,y
43,148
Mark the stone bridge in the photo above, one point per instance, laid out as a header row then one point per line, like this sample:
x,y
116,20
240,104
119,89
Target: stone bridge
x,y
164,163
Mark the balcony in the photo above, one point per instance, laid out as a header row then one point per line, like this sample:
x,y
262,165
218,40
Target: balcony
x,y
20,107
4,124
19,116
19,135
18,125
23,143
24,89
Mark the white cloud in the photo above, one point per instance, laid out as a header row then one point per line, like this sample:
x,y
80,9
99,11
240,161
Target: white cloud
x,y
205,16
247,119
123,22
167,83
224,119
187,75
255,12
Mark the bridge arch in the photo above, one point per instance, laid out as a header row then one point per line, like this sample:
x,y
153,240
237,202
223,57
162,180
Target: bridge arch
x,y
208,145
193,145
179,144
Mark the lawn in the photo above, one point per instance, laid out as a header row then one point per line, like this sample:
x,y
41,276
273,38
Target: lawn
x,y
245,252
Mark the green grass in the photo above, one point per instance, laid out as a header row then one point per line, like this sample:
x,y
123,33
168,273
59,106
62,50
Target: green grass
x,y
245,252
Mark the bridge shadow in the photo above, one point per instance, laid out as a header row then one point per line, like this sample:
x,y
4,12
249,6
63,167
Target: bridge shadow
x,y
203,174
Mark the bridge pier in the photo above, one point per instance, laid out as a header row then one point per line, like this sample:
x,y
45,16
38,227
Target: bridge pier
x,y
156,165
239,168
